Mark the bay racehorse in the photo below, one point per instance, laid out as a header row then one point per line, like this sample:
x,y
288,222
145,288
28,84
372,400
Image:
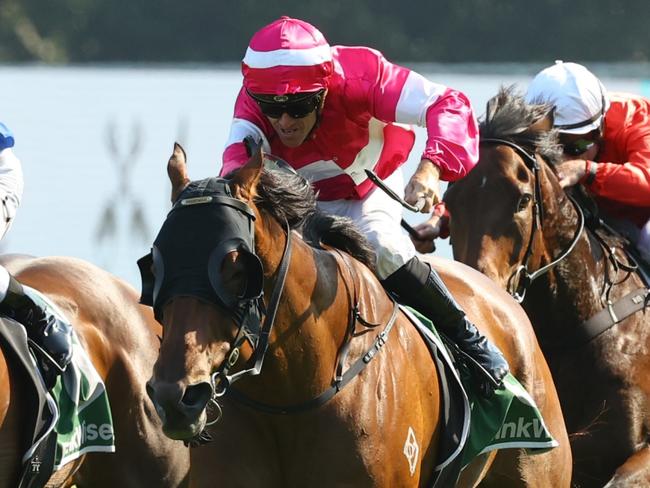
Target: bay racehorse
x,y
121,338
511,220
228,271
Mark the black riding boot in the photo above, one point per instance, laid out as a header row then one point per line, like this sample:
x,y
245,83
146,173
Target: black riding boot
x,y
51,335
417,285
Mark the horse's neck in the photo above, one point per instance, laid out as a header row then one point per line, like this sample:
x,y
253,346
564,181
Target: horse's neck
x,y
311,319
572,288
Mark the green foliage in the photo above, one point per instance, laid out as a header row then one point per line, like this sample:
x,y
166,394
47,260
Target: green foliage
x,y
81,31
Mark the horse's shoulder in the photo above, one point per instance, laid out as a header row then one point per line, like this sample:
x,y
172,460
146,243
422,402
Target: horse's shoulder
x,y
464,280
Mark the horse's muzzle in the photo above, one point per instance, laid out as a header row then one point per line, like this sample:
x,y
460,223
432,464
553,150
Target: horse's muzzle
x,y
181,409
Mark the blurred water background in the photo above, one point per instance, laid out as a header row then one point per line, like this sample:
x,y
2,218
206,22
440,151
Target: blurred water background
x,y
94,142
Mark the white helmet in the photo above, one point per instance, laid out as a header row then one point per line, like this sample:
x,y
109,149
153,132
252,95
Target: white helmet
x,y
580,99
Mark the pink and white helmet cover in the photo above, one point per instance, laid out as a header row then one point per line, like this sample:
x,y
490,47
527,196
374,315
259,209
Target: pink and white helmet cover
x,y
286,57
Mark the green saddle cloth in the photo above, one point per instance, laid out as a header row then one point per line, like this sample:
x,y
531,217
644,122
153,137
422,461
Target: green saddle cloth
x,y
84,415
508,419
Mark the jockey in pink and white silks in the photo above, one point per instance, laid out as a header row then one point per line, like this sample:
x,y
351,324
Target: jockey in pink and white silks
x,y
45,329
332,112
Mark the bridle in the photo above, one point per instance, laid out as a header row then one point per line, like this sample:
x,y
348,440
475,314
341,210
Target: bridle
x,y
521,278
221,379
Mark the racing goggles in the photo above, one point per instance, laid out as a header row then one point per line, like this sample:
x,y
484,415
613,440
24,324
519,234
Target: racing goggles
x,y
296,106
576,148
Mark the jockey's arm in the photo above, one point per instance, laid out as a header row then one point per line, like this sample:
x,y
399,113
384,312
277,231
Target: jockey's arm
x,y
11,180
627,183
452,131
451,149
246,122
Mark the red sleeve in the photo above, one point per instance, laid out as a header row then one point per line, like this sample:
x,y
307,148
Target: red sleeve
x,y
628,182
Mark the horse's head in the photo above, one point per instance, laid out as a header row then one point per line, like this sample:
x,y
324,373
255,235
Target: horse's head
x,y
497,210
216,279
204,281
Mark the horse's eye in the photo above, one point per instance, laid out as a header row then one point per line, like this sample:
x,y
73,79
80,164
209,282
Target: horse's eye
x,y
524,201
233,274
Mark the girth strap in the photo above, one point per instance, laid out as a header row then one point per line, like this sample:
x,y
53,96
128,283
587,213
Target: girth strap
x,y
612,315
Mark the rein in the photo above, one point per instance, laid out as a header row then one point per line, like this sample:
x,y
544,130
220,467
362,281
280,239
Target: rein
x,y
521,278
338,384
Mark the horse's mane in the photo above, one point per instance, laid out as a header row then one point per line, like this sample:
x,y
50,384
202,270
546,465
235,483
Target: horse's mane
x,y
289,196
509,117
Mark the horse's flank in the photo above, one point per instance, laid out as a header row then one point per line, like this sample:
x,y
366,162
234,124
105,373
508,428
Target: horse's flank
x,y
12,417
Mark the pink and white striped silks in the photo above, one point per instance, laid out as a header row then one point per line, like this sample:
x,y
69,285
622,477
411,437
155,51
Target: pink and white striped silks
x,y
365,123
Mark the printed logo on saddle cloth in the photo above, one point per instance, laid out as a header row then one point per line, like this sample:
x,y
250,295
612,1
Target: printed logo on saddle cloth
x,y
508,419
85,423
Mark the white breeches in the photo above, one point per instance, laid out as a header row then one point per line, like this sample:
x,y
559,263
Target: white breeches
x,y
378,216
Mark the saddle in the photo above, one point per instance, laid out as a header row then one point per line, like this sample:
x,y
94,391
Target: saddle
x,y
38,461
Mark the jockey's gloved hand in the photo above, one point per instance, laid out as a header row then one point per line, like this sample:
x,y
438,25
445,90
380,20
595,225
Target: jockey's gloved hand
x,y
6,137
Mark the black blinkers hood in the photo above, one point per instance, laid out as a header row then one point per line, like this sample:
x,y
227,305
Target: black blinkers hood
x,y
204,225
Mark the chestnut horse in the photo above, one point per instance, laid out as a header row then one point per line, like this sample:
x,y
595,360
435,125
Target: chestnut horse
x,y
511,220
120,336
303,419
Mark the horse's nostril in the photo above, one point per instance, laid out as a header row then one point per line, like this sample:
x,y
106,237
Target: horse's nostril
x,y
197,396
150,391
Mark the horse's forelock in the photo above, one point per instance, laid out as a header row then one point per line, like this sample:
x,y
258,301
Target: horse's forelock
x,y
509,117
548,145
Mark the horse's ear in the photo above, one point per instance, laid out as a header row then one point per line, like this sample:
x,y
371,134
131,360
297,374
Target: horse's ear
x,y
177,171
545,123
246,178
491,108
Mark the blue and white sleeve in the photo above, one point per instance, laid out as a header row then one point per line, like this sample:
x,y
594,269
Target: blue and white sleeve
x,y
11,180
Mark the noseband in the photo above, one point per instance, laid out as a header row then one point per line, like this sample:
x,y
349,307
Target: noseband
x,y
521,278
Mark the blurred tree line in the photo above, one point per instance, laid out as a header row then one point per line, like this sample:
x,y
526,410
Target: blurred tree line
x,y
80,31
